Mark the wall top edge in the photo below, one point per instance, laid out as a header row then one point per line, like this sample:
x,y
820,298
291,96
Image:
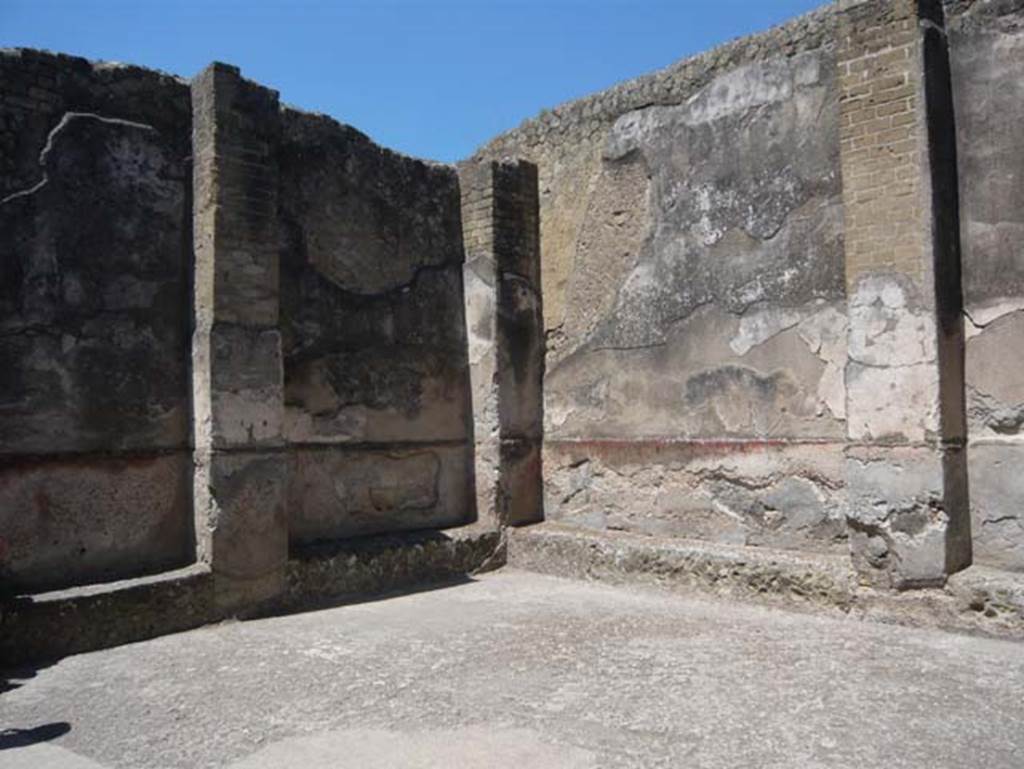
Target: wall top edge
x,y
63,62
66,61
675,83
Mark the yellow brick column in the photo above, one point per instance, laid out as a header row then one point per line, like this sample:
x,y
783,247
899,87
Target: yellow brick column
x,y
906,461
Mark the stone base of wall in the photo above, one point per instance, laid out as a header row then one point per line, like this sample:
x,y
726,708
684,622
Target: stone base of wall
x,y
977,601
997,488
47,626
36,628
351,491
325,574
780,494
81,519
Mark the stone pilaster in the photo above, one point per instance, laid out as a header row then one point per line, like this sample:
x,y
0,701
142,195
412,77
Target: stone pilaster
x,y
506,338
906,474
240,485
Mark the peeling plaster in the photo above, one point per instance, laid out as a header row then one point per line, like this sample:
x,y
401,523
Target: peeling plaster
x,y
892,377
982,316
788,500
822,328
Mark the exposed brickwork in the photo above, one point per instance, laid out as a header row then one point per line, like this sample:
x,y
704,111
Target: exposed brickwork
x,y
879,67
905,369
235,134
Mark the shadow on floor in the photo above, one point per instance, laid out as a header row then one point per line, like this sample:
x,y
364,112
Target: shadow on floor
x,y
23,738
314,603
15,678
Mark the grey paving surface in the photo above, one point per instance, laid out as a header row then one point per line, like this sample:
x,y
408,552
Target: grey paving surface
x,y
520,670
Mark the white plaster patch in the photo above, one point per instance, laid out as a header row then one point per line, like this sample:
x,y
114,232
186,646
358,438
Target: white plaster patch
x,y
893,402
633,130
479,306
825,335
885,330
824,332
740,90
737,91
892,377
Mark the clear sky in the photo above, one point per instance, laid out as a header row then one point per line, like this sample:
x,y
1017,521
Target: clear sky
x,y
433,78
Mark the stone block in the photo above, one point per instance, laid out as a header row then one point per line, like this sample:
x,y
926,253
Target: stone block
x,y
997,504
782,495
242,523
521,495
76,520
907,479
238,387
338,492
504,321
904,513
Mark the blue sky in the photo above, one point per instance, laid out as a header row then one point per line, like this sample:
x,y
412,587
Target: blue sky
x,y
434,79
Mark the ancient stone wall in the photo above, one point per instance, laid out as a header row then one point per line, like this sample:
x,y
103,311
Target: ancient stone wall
x,y
330,366
752,290
95,320
504,324
771,295
906,465
230,330
987,55
376,379
692,252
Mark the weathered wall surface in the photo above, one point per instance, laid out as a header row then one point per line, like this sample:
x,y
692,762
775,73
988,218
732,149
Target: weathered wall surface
x,y
94,320
987,54
906,465
505,337
692,270
739,296
376,381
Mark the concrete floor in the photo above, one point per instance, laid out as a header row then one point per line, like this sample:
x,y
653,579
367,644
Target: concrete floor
x,y
525,671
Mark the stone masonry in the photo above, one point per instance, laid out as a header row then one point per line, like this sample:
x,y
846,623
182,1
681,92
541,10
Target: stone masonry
x,y
240,481
906,464
749,324
987,58
503,316
95,459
